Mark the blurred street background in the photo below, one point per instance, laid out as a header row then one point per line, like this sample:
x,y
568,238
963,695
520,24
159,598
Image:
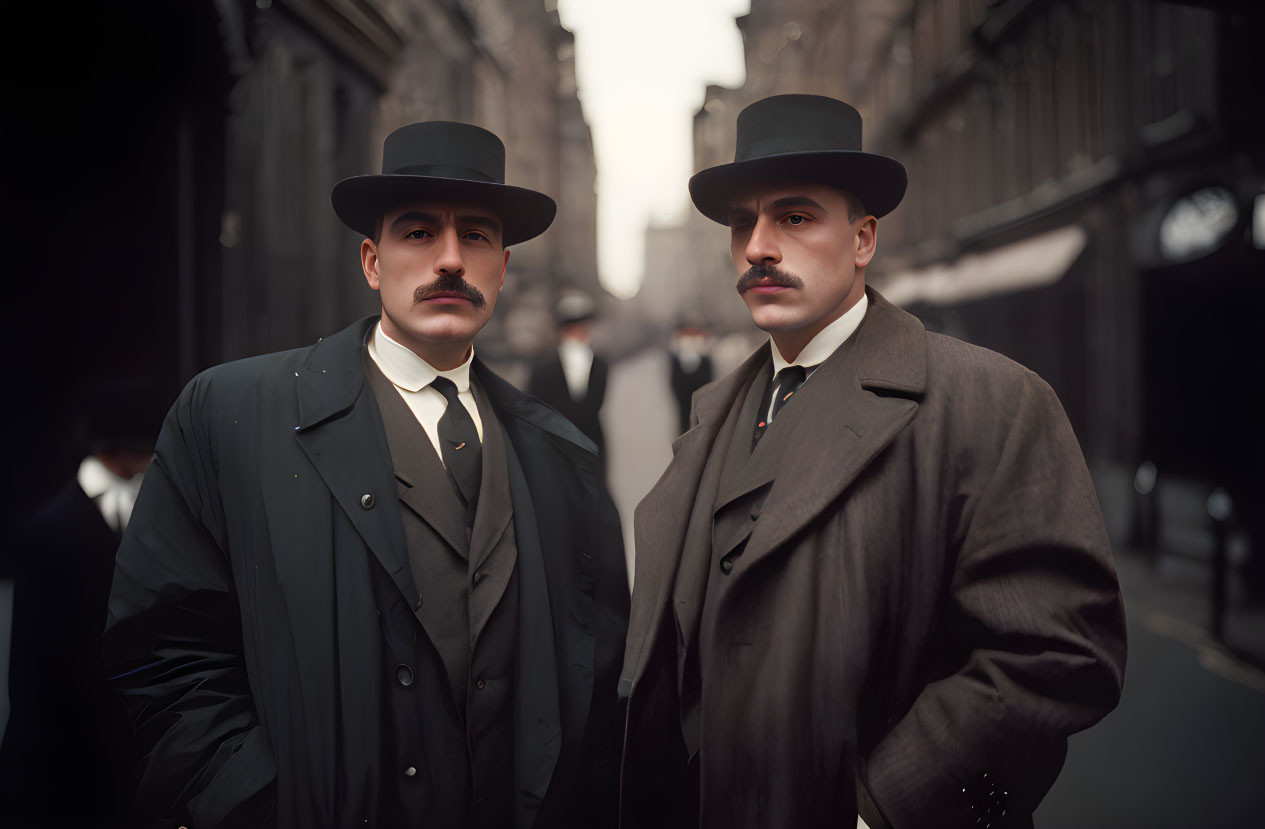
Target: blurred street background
x,y
1087,196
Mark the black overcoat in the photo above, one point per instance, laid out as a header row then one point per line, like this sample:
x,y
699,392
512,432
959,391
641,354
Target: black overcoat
x,y
254,643
548,381
62,709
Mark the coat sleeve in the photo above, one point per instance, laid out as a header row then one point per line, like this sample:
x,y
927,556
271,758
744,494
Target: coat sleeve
x,y
173,643
1034,623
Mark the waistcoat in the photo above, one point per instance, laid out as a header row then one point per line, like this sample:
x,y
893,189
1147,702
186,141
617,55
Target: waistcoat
x,y
467,580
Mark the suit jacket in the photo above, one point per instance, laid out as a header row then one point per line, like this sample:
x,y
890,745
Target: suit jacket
x,y
262,614
910,597
549,383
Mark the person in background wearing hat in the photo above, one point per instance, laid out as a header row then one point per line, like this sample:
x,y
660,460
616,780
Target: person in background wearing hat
x,y
573,380
874,583
368,582
690,366
65,754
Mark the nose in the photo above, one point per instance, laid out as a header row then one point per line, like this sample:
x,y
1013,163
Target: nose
x,y
448,255
762,245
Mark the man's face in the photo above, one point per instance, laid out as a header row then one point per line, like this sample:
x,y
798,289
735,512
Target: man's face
x,y
439,268
800,258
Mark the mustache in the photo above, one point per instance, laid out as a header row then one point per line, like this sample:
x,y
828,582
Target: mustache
x,y
767,273
449,284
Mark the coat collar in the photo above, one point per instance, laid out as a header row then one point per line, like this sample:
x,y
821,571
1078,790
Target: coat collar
x,y
332,378
510,402
332,375
890,356
342,434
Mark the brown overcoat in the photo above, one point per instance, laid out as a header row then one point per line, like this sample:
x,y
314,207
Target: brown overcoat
x,y
912,599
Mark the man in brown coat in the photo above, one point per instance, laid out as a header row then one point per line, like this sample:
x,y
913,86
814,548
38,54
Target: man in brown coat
x,y
874,584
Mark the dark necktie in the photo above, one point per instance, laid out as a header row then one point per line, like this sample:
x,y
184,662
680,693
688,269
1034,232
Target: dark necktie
x,y
785,384
459,446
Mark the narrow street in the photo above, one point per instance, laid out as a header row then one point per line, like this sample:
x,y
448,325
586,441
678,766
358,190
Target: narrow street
x,y
1186,747
639,418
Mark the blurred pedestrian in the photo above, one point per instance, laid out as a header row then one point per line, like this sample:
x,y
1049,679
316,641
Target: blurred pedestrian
x,y
874,581
66,757
573,378
690,365
368,582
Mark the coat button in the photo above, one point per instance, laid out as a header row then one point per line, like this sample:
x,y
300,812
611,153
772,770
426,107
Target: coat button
x,y
478,576
366,500
404,675
726,566
410,771
479,684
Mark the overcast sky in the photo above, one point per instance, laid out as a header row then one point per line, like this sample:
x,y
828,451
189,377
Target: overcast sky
x,y
642,68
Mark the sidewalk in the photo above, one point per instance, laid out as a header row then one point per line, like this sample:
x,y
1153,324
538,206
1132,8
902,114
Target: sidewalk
x,y
1186,746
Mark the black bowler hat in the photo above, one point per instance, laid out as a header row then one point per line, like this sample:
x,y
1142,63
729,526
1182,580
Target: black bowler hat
x,y
575,307
446,161
800,138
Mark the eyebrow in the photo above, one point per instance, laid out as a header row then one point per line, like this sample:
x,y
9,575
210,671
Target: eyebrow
x,y
480,219
736,213
414,216
797,201
431,218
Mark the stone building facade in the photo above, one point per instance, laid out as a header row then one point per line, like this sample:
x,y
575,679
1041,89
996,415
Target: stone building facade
x,y
1084,182
199,141
507,65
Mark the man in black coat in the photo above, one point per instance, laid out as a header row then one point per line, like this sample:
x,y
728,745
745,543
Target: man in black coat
x,y
65,756
690,366
368,583
573,379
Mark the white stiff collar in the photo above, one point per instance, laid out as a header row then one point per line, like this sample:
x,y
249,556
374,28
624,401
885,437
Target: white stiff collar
x,y
827,340
408,371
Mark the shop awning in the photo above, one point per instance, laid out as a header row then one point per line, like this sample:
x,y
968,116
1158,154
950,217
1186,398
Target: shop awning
x,y
1034,262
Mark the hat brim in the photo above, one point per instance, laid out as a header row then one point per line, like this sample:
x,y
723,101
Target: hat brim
x,y
878,181
360,201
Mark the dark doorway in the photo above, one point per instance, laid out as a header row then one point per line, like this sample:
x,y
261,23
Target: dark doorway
x,y
116,117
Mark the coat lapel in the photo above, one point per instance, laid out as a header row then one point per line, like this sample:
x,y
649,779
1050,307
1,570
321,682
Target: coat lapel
x,y
731,450
849,411
662,519
741,494
424,483
548,606
341,432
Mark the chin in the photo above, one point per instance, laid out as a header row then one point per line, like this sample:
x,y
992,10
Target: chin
x,y
447,334
771,318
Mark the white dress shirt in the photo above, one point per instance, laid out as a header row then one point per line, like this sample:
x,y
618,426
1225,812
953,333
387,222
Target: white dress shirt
x,y
412,376
115,496
577,362
820,347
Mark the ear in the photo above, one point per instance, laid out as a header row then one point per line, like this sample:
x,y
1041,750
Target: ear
x,y
504,265
866,241
369,263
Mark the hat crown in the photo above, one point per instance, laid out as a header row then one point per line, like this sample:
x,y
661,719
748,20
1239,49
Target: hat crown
x,y
446,149
797,124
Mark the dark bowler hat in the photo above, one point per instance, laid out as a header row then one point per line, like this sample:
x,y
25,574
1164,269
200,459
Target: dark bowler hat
x,y
444,161
575,307
800,138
